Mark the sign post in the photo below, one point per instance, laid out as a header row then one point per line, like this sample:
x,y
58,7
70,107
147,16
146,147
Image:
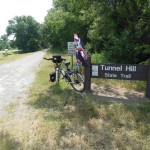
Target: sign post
x,y
147,94
87,74
71,47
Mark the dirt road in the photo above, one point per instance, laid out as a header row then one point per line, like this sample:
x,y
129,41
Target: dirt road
x,y
15,78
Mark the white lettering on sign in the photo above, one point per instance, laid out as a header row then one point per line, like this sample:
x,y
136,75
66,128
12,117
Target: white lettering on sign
x,y
126,76
131,68
111,68
118,68
109,75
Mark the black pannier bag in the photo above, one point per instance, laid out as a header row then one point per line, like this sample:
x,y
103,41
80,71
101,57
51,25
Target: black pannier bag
x,y
53,77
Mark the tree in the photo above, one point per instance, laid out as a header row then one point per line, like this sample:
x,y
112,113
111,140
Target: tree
x,y
58,28
121,30
4,42
27,33
63,21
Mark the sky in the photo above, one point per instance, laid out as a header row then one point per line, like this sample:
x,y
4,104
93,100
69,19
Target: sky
x,y
11,8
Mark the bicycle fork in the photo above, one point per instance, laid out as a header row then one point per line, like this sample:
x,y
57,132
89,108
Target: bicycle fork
x,y
57,75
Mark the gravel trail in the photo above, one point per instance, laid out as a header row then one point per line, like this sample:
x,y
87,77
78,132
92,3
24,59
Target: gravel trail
x,y
16,77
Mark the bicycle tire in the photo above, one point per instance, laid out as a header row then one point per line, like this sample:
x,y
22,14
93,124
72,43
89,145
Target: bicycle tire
x,y
77,82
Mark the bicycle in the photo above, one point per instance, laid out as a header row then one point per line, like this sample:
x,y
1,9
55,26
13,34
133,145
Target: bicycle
x,y
72,76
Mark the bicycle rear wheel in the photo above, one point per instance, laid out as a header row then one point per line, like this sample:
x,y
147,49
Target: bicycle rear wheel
x,y
77,82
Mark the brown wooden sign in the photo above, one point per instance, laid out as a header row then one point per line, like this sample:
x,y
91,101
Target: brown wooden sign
x,y
119,71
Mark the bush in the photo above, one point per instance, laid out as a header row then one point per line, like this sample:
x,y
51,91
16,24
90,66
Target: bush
x,y
98,58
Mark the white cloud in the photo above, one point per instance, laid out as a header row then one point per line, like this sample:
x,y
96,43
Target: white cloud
x,y
11,8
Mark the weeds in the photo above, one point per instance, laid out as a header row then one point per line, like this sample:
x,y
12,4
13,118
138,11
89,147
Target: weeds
x,y
11,106
7,143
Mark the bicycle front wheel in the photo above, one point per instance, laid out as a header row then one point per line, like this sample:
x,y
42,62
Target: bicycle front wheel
x,y
77,82
57,75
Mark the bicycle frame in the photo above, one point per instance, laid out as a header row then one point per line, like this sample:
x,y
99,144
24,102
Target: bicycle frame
x,y
57,71
72,76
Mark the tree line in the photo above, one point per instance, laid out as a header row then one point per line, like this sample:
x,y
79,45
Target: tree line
x,y
118,30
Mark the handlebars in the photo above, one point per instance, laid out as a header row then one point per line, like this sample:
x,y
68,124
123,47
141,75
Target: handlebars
x,y
55,59
47,58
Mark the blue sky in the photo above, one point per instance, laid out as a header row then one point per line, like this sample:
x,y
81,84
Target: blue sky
x,y
11,8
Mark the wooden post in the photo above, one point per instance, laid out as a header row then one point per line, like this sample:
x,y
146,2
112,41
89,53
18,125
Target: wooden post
x,y
147,94
87,74
72,60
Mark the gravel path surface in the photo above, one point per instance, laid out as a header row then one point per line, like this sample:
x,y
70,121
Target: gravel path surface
x,y
15,78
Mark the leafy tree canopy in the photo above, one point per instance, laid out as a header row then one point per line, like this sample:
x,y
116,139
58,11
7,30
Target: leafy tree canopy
x,y
27,32
119,29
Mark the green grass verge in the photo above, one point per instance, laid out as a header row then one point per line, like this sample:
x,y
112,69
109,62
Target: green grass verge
x,y
4,58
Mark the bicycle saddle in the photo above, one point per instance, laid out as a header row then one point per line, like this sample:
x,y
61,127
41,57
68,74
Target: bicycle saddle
x,y
67,63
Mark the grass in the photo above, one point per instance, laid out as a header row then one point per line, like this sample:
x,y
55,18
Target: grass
x,y
11,106
6,143
10,56
60,119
